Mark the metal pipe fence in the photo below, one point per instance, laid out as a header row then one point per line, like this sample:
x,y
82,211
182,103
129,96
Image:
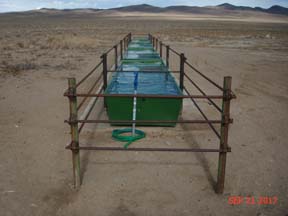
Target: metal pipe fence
x,y
165,51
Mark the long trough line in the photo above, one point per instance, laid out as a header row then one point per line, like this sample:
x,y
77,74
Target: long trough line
x,y
74,122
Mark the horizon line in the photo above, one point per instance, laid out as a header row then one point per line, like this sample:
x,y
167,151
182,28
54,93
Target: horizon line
x,y
79,8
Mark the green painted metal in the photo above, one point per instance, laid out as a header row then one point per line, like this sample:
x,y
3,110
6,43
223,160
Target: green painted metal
x,y
141,55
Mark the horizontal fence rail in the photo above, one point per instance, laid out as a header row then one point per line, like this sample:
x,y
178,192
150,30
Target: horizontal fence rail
x,y
149,121
146,96
145,71
96,148
203,93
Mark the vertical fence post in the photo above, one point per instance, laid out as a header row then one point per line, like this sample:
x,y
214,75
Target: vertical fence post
x,y
74,132
121,49
153,42
105,71
182,62
161,49
167,55
150,37
156,44
116,57
104,59
224,134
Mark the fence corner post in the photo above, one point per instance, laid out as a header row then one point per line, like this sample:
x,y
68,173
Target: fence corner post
x,y
74,132
224,134
182,63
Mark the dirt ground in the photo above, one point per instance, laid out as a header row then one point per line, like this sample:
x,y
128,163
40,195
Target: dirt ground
x,y
38,54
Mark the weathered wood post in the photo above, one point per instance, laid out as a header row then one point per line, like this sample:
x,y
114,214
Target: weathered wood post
x,y
124,44
161,49
167,55
116,56
182,63
105,69
121,49
104,63
74,132
224,134
156,44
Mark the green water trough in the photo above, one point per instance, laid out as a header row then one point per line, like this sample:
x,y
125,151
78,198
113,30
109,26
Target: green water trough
x,y
131,73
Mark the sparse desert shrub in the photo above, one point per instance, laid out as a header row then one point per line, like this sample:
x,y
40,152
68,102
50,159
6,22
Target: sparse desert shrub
x,y
15,69
70,42
20,45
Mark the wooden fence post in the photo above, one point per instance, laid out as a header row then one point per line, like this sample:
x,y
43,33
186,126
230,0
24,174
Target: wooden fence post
x,y
167,55
224,134
156,44
116,57
104,59
182,62
161,49
74,132
121,49
124,44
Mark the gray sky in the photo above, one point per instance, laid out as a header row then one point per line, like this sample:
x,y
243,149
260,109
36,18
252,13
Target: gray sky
x,y
21,5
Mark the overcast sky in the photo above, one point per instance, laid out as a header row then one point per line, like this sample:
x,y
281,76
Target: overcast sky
x,y
21,5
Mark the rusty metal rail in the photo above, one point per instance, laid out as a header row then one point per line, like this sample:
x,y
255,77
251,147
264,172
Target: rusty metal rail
x,y
89,74
145,71
203,93
226,96
147,121
145,96
203,114
204,76
103,148
89,92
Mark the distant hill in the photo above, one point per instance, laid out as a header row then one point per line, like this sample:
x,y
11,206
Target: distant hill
x,y
222,9
139,8
276,9
216,10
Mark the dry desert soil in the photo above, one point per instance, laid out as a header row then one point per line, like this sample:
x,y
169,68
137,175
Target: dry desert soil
x,y
37,55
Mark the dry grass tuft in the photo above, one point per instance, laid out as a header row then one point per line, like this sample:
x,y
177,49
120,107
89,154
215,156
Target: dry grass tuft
x,y
16,69
70,42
